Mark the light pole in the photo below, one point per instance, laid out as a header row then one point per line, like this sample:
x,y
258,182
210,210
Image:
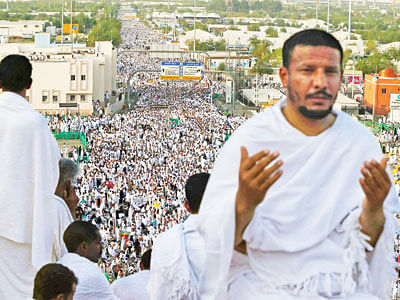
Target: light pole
x,y
327,25
194,33
71,32
62,22
348,36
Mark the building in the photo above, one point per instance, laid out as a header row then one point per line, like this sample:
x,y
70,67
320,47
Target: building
x,y
379,88
65,82
21,29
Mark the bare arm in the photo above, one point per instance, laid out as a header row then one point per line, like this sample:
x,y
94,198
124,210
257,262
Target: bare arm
x,y
376,185
254,181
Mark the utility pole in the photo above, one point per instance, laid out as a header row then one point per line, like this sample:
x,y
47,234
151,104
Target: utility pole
x,y
349,34
194,35
72,31
62,22
327,25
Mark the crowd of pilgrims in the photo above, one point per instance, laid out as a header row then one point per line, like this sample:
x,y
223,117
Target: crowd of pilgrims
x,y
132,187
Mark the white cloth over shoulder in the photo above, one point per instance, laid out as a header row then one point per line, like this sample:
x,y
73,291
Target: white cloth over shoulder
x,y
288,239
59,219
171,277
132,287
29,175
92,283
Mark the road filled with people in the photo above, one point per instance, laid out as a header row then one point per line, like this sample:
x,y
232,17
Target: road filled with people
x,y
132,185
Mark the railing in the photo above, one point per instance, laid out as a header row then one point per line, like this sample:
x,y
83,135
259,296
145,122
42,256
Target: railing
x,y
72,135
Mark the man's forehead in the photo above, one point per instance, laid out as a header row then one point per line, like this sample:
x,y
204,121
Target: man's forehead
x,y
302,53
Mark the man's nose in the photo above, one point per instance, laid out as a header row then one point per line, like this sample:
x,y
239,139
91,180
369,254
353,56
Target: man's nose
x,y
320,79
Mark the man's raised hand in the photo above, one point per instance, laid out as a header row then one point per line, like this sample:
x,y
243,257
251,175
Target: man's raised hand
x,y
256,176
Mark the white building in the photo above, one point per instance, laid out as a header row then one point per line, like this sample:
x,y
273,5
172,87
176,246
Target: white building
x,y
23,28
68,82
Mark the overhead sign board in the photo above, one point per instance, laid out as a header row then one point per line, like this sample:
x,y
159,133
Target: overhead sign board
x,y
170,70
191,71
394,101
67,28
181,70
68,104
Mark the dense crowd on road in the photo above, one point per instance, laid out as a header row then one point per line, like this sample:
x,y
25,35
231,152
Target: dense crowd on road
x,y
132,187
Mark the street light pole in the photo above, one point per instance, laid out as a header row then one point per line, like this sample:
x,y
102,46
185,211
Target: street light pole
x,y
194,34
62,22
327,25
348,36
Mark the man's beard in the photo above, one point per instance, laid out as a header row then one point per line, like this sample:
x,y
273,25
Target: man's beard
x,y
314,114
304,111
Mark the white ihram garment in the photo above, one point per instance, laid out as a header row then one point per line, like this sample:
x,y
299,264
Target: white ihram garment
x,y
61,219
304,239
28,178
92,283
176,262
132,287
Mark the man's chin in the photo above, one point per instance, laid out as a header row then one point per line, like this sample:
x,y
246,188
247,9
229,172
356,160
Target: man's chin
x,y
314,114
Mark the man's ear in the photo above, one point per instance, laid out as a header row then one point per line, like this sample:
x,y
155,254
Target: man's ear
x,y
186,205
284,75
59,297
81,249
29,84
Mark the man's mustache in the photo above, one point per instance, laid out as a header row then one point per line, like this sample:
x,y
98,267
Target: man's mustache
x,y
319,93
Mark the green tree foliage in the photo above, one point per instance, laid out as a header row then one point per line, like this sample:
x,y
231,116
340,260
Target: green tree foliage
x,y
270,7
221,66
104,31
199,25
253,27
374,63
392,54
209,45
271,32
370,46
233,28
263,55
346,56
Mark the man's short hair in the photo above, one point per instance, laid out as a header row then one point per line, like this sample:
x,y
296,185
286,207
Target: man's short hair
x,y
52,280
15,72
146,259
309,37
78,232
194,190
68,170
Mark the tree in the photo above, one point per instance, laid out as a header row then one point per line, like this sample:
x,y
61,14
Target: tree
x,y
221,66
104,31
253,27
392,54
374,63
271,32
263,55
370,46
346,56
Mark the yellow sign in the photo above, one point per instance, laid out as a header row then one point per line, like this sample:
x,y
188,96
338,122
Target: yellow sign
x,y
67,28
